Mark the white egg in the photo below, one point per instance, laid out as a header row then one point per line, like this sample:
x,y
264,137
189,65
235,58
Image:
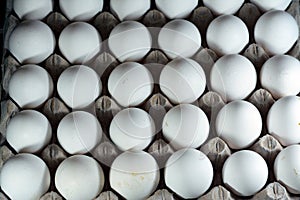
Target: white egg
x,y
28,131
134,175
280,76
185,126
227,34
30,86
79,132
220,7
79,86
182,80
233,77
130,41
79,177
266,5
125,11
32,9
132,129
75,10
239,123
245,173
287,168
79,42
25,176
31,42
276,31
189,173
283,120
179,38
176,8
130,84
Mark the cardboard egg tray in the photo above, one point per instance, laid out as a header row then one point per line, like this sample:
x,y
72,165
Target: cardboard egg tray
x,y
105,107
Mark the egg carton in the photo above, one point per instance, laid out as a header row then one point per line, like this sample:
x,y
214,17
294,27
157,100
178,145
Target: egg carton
x,y
105,107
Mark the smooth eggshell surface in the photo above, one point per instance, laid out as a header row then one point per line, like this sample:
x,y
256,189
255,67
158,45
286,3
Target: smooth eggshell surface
x,y
22,82
79,177
25,176
176,8
245,173
220,7
185,126
134,175
32,9
189,173
283,120
31,42
266,5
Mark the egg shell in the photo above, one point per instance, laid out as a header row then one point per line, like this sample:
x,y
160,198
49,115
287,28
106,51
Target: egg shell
x,y
125,10
79,132
182,80
31,41
134,175
130,41
176,8
266,5
22,82
79,177
287,168
227,34
29,131
130,84
75,10
188,173
185,126
245,173
220,7
132,129
239,123
79,86
32,9
79,42
179,38
283,120
280,75
25,176
233,77
276,31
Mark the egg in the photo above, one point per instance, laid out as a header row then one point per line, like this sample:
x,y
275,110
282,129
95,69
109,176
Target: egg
x,y
227,34
79,177
132,129
220,7
233,77
30,86
79,86
32,9
75,10
130,41
283,120
130,84
188,173
280,76
176,8
276,31
134,175
287,168
125,11
239,123
245,173
29,131
185,126
31,42
266,5
179,38
79,42
79,132
182,80
24,176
